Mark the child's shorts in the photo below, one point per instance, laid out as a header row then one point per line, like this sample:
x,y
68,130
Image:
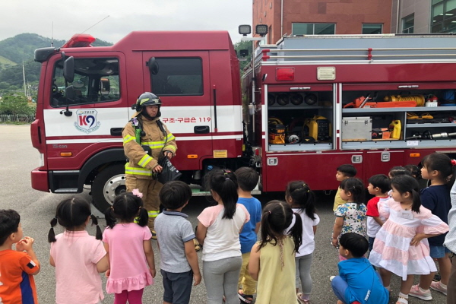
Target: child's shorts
x,y
177,286
438,252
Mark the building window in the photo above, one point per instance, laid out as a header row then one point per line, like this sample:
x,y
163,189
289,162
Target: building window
x,y
313,28
372,28
408,24
443,16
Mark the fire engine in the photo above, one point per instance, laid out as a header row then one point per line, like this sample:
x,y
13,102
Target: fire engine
x,y
310,104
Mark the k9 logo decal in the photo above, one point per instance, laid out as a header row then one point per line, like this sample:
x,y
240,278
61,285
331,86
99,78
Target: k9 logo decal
x,y
86,121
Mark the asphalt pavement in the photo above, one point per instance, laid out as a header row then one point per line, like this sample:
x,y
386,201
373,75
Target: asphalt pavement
x,y
38,208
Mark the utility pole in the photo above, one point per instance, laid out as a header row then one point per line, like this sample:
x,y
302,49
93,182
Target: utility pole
x,y
23,78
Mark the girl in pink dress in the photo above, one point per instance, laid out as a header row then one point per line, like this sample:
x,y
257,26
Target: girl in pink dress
x,y
401,245
129,248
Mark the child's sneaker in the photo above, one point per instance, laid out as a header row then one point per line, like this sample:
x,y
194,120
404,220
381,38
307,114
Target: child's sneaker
x,y
438,287
331,278
419,293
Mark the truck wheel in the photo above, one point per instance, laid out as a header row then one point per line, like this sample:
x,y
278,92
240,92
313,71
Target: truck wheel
x,y
107,185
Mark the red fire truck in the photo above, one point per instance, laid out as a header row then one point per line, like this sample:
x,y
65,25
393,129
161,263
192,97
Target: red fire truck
x,y
312,104
372,101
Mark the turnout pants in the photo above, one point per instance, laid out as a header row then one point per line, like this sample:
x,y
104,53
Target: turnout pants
x,y
150,189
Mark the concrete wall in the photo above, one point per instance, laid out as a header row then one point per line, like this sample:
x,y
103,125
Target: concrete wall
x,y
422,14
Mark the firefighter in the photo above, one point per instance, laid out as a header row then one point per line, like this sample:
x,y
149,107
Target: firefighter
x,y
145,139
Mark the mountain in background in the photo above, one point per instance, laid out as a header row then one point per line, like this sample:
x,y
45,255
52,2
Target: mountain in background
x,y
19,50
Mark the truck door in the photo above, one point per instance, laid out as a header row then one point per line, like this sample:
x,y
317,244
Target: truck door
x,y
96,113
182,81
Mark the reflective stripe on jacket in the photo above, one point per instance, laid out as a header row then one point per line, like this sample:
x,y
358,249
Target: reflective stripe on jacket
x,y
140,163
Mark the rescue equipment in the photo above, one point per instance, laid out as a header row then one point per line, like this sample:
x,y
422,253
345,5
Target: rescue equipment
x,y
395,129
276,131
319,128
418,98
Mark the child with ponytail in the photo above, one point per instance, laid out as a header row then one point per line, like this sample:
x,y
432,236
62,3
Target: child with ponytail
x,y
439,170
401,246
218,231
272,260
302,201
129,248
78,258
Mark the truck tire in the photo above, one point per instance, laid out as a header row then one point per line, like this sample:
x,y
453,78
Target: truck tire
x,y
107,185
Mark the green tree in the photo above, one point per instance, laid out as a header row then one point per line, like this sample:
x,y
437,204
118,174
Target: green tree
x,y
14,104
244,45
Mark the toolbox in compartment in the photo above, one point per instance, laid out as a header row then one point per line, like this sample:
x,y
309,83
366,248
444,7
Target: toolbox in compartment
x,y
357,128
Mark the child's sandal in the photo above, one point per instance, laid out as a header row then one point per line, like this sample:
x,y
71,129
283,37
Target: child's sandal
x,y
402,300
245,299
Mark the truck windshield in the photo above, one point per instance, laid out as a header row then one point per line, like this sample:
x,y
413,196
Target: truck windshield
x,y
95,80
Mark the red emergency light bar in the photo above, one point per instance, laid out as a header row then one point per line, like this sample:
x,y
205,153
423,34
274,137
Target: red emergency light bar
x,y
79,40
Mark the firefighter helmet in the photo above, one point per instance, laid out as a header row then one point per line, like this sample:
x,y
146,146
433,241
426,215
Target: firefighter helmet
x,y
147,99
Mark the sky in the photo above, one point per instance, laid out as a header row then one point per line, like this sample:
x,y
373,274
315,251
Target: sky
x,y
64,18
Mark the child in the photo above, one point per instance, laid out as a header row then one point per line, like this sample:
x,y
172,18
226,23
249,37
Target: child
x,y
379,186
16,266
218,231
129,247
247,180
302,200
450,243
357,280
438,169
78,257
272,260
343,172
351,216
179,262
416,173
398,170
400,246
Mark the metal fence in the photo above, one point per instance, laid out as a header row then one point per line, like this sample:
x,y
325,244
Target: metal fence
x,y
21,118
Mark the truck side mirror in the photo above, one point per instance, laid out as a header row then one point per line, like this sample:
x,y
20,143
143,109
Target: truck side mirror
x,y
153,65
244,53
70,96
68,69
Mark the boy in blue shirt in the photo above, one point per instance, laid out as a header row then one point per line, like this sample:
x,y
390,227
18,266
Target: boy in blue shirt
x,y
357,281
247,179
179,261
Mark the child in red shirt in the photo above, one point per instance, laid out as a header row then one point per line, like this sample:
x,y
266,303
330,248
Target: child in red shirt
x,y
17,267
379,185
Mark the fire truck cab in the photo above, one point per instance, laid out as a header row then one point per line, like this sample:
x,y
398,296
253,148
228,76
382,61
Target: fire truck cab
x,y
378,101
78,129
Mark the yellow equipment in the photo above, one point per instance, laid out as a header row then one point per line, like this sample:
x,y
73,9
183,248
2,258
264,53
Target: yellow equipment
x,y
418,98
395,128
276,131
319,128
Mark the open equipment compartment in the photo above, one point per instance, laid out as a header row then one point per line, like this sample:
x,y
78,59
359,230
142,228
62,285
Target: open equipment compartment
x,y
300,117
429,124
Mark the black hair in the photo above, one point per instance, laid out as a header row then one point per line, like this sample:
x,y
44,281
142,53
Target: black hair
x,y
9,223
406,183
247,178
224,183
126,207
276,218
443,164
347,170
381,181
398,170
175,194
355,243
356,187
414,170
302,196
71,214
